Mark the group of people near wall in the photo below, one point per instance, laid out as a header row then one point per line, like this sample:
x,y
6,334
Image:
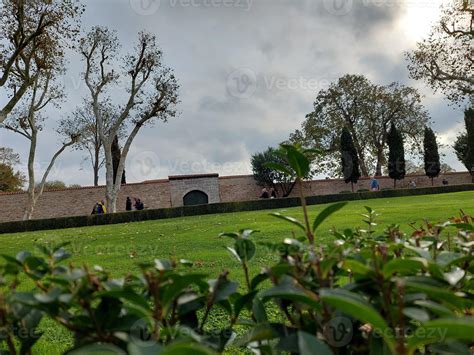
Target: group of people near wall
x,y
375,186
137,204
100,207
268,193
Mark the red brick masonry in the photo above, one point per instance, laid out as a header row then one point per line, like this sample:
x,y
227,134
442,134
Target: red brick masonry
x,y
158,193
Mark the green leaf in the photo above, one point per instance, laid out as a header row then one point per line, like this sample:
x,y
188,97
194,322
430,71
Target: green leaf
x,y
421,252
222,289
234,253
234,236
98,349
259,332
402,267
454,276
357,267
243,301
435,308
187,348
354,305
163,265
298,162
289,219
434,290
327,212
279,167
144,348
257,280
127,294
439,330
22,256
417,314
258,309
308,345
245,248
288,290
12,260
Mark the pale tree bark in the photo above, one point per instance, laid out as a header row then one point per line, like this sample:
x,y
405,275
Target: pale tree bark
x,y
445,59
152,94
25,123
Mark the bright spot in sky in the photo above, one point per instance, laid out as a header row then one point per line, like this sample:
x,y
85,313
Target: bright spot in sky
x,y
419,17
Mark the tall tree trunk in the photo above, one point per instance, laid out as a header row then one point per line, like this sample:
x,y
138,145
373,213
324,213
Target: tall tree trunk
x,y
111,199
380,158
360,151
30,204
96,167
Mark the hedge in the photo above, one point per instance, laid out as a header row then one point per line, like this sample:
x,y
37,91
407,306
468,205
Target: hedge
x,y
165,213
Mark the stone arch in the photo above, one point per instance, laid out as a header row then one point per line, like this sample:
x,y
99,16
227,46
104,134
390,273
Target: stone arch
x,y
195,197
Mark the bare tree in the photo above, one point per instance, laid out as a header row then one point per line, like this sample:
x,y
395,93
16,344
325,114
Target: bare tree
x,y
151,93
83,120
28,122
445,60
34,35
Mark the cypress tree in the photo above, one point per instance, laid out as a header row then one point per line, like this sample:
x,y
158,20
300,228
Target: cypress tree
x,y
396,156
469,120
431,155
116,156
349,159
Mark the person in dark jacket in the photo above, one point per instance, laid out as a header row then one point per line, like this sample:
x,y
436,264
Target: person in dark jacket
x,y
128,204
139,206
265,193
273,193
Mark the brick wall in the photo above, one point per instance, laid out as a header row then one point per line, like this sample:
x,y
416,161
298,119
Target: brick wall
x,y
168,193
79,202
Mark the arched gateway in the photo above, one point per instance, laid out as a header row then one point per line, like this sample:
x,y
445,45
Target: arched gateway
x,y
195,197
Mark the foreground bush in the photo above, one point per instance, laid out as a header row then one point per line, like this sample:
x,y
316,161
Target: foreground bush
x,y
363,292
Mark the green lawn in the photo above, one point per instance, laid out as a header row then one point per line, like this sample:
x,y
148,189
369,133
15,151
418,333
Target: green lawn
x,y
119,248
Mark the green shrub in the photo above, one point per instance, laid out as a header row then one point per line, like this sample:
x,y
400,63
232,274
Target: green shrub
x,y
362,292
363,190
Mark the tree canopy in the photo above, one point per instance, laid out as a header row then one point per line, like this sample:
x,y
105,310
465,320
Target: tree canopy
x,y
266,176
445,59
367,110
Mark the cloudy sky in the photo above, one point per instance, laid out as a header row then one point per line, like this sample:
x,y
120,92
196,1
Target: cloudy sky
x,y
249,71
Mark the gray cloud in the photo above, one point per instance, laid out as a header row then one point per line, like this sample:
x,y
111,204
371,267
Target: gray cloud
x,y
288,49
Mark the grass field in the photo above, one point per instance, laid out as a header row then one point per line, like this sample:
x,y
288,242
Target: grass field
x,y
119,248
